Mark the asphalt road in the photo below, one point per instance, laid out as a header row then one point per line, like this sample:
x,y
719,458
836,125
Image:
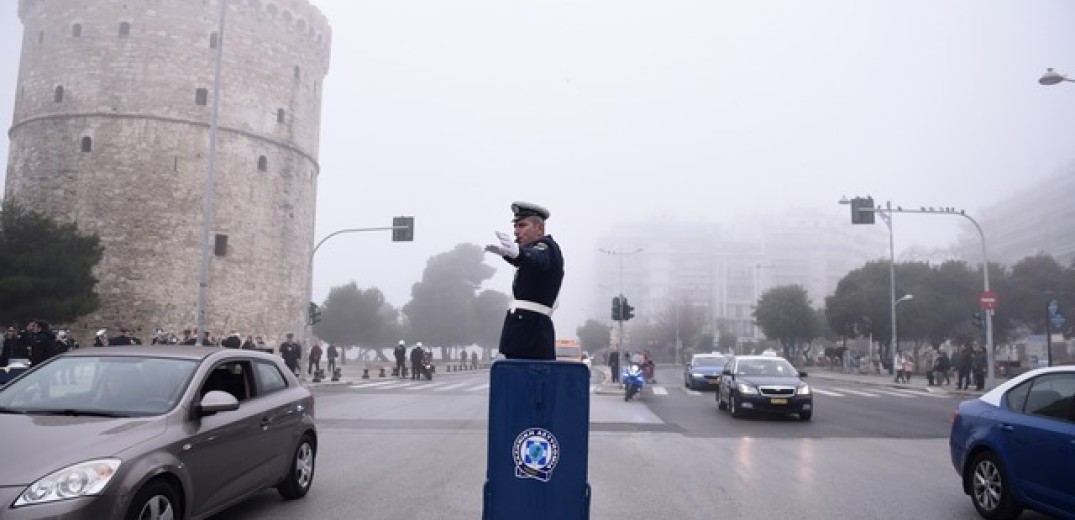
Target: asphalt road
x,y
417,450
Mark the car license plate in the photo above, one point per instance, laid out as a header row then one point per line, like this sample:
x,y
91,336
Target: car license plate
x,y
780,400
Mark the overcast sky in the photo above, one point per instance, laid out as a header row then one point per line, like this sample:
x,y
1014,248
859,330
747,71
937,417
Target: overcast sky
x,y
616,111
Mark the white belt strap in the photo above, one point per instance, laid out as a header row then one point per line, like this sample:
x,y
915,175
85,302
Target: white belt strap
x,y
530,306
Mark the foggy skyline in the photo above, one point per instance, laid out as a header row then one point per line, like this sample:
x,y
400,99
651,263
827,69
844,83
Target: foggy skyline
x,y
613,112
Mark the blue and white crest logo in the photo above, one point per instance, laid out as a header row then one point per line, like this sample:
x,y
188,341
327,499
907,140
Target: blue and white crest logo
x,y
536,452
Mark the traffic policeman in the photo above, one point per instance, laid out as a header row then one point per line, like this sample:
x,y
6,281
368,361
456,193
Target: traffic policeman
x,y
528,331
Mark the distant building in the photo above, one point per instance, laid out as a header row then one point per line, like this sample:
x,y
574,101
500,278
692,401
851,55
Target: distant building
x,y
725,267
1039,219
111,132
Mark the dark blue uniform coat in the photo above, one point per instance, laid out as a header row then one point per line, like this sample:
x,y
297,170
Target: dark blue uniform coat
x,y
527,334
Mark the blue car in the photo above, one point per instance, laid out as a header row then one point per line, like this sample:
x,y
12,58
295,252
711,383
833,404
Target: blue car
x,y
703,371
1014,447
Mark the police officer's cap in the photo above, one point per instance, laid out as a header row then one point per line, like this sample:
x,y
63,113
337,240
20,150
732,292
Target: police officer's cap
x,y
522,210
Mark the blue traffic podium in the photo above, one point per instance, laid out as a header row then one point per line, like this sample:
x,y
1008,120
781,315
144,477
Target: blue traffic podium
x,y
539,431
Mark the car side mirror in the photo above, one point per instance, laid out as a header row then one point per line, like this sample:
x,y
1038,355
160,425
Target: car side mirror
x,y
217,401
802,374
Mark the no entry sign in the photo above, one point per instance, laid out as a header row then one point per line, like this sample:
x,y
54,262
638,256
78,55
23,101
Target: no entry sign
x,y
988,300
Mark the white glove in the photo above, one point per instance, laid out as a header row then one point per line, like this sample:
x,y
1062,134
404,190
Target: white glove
x,y
507,246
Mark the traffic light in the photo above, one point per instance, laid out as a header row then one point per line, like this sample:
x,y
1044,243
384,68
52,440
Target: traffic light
x,y
862,217
976,320
627,312
313,314
617,313
402,229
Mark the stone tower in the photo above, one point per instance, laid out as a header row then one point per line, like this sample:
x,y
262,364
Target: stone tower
x,y
111,131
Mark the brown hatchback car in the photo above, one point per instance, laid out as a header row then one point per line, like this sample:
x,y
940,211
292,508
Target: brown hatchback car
x,y
155,432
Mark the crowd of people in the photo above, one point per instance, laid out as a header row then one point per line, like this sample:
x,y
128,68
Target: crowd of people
x,y
967,364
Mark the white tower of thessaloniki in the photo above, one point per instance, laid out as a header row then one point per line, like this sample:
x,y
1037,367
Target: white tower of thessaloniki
x,y
111,131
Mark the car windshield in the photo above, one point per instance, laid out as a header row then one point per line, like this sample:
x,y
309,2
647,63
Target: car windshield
x,y
100,386
766,367
708,361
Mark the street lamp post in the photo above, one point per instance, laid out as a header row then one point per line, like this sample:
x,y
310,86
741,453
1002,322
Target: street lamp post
x,y
210,175
1051,77
888,210
620,253
895,337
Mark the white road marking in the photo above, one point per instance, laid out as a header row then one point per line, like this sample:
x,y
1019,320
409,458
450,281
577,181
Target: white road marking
x,y
826,392
659,390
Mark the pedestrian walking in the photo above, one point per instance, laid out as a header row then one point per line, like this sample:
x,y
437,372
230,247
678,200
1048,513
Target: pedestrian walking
x,y
40,342
941,366
897,367
528,331
332,353
614,365
314,359
232,341
979,364
248,343
473,360
963,362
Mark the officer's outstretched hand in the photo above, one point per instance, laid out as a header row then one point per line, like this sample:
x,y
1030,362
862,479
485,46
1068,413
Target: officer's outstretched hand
x,y
507,246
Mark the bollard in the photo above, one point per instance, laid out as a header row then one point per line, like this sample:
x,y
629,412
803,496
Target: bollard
x,y
365,373
318,374
382,373
336,373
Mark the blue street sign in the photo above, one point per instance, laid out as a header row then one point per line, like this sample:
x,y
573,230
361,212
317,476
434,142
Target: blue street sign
x,y
1053,308
1058,321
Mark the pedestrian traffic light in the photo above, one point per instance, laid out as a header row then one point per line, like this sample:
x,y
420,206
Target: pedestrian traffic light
x,y
976,319
858,216
314,314
617,313
627,312
402,229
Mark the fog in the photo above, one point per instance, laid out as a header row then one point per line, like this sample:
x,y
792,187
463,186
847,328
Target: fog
x,y
614,112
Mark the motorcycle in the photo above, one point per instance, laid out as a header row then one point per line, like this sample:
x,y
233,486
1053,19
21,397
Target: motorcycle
x,y
632,381
427,368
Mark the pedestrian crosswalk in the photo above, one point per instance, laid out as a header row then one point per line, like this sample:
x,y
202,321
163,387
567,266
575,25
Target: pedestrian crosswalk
x,y
478,385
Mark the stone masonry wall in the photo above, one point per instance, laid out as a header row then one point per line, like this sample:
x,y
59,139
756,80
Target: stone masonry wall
x,y
130,72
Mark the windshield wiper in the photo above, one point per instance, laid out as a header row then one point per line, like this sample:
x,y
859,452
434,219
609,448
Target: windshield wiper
x,y
71,412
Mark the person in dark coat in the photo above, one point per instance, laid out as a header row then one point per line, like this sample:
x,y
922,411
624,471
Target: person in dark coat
x,y
41,342
528,331
963,363
332,353
614,365
416,361
232,341
292,353
979,364
400,353
941,366
474,360
121,340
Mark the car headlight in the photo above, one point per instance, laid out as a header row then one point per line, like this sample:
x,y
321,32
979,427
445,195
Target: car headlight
x,y
803,390
82,479
746,388
697,374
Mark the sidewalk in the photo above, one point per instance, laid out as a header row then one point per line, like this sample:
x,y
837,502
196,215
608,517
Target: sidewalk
x,y
354,370
918,382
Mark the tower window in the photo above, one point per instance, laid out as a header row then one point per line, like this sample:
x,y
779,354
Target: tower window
x,y
124,29
57,96
201,97
87,144
263,164
212,40
279,115
220,245
76,30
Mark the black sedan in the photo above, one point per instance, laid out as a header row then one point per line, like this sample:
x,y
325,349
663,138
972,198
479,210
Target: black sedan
x,y
766,384
155,432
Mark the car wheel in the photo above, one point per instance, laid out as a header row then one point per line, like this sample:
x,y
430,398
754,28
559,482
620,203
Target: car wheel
x,y
733,407
989,488
720,402
805,416
300,474
157,500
